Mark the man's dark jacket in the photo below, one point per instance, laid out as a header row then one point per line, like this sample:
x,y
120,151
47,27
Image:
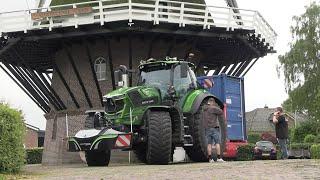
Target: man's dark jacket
x,y
282,128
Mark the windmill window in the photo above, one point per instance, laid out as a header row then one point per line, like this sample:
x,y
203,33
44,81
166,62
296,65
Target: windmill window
x,y
100,68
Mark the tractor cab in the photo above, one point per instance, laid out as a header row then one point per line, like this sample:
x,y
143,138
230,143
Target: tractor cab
x,y
174,79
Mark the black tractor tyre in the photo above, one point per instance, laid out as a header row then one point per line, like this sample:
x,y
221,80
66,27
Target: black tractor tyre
x,y
198,152
92,121
159,141
140,152
98,158
89,122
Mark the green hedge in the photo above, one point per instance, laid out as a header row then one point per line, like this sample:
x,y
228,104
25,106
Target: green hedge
x,y
317,139
12,130
245,153
34,156
305,128
253,137
315,151
310,138
300,146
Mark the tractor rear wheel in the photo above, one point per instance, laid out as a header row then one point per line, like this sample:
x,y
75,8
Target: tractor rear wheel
x,y
159,141
198,152
140,152
98,158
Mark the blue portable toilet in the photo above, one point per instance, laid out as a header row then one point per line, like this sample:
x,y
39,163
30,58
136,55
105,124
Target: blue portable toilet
x,y
230,90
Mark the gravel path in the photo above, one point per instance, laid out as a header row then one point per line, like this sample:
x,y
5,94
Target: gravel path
x,y
280,169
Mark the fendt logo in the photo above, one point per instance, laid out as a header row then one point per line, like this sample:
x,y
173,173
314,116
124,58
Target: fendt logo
x,y
147,102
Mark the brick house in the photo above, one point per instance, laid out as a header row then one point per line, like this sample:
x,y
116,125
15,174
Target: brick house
x,y
260,120
34,137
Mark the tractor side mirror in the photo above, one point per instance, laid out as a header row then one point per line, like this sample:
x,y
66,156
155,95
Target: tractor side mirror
x,y
184,70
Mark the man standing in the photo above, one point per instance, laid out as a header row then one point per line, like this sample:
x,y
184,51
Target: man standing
x,y
212,131
281,131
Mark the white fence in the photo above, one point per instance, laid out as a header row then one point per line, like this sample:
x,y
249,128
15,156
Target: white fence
x,y
156,11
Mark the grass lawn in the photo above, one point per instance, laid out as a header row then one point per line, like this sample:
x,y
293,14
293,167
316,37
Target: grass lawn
x,y
15,176
21,175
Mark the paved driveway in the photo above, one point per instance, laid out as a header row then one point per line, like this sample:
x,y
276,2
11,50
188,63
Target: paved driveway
x,y
280,169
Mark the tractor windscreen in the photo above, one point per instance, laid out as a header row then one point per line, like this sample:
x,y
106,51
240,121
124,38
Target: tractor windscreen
x,y
163,76
158,76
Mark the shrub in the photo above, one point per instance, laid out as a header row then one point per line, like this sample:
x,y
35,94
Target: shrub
x,y
315,151
291,134
12,131
253,138
305,128
310,138
269,137
34,155
305,146
245,153
317,139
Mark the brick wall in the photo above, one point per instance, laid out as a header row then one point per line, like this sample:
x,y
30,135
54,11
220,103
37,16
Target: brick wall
x,y
31,138
55,146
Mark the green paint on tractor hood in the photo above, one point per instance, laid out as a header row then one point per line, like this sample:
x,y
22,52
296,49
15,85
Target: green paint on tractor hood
x,y
119,92
138,99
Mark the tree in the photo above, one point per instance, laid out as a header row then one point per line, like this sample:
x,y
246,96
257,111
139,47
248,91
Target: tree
x,y
301,65
12,130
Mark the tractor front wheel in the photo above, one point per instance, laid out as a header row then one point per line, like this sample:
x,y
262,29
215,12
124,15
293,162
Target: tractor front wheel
x,y
98,158
159,138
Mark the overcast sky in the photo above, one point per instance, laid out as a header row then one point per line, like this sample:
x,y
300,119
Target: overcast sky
x,y
262,85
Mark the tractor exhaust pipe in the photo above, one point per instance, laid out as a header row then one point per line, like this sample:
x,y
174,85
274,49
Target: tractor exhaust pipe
x,y
121,76
125,80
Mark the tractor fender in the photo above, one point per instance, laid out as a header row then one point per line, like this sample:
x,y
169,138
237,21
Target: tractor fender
x,y
153,108
200,98
159,108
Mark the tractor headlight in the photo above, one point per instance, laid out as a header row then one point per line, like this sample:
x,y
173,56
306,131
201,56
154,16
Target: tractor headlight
x,y
114,104
121,96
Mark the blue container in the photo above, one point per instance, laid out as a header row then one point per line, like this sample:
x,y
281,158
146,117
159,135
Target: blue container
x,y
230,90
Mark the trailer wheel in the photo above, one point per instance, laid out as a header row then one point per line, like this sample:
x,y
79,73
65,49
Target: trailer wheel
x,y
98,158
198,152
159,138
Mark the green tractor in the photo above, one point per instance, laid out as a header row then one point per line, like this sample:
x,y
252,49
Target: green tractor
x,y
162,112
